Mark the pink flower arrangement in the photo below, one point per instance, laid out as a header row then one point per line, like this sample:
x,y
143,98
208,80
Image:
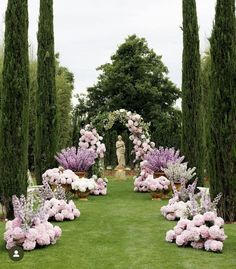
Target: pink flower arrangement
x,y
60,210
140,181
90,139
101,186
157,184
57,176
199,233
30,227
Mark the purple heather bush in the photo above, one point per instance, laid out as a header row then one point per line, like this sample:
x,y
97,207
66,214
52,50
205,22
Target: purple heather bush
x,y
159,158
76,159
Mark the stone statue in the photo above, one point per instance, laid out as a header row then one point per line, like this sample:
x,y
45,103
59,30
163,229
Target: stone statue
x,y
120,152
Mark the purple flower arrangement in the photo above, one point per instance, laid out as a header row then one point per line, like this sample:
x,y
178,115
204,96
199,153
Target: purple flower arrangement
x,y
30,227
159,158
204,231
76,159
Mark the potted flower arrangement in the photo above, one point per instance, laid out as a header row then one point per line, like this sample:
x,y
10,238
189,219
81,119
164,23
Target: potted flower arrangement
x,y
30,227
179,172
158,159
76,159
83,187
59,176
158,188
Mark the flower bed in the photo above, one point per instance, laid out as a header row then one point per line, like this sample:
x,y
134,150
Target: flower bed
x,y
203,232
30,228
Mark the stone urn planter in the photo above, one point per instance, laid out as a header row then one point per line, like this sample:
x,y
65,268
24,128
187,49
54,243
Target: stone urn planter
x,y
177,185
83,196
156,195
81,174
158,174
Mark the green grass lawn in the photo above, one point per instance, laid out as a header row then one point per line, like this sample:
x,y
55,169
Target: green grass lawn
x,y
121,230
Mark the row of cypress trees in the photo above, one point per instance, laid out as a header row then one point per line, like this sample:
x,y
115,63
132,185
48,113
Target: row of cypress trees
x,y
217,131
14,117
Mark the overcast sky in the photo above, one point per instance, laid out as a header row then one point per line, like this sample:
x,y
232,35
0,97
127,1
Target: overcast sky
x,y
88,32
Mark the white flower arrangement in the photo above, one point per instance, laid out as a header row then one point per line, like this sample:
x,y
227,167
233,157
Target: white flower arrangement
x,y
84,184
179,171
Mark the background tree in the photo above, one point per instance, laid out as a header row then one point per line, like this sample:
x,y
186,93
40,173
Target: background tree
x,y
136,79
14,104
191,91
46,104
64,88
222,125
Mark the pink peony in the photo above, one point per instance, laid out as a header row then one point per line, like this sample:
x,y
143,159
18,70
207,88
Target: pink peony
x,y
198,220
10,243
219,222
214,232
197,245
32,234
59,217
178,230
29,245
76,212
170,236
180,240
57,231
204,231
209,216
18,233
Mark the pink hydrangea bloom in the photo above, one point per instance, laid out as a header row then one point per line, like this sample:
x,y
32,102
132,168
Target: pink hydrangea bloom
x,y
170,236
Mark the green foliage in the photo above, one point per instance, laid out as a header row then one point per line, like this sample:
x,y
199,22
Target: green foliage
x,y
205,86
46,104
136,80
14,104
222,98
32,111
192,124
64,88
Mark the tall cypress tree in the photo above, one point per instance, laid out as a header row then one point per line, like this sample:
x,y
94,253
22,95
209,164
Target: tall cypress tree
x,y
222,125
46,120
14,104
192,139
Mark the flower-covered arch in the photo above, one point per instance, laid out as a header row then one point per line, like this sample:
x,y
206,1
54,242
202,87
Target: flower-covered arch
x,y
139,130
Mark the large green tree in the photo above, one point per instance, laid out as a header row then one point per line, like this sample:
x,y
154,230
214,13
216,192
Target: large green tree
x,y
14,104
136,79
46,105
64,89
222,124
191,90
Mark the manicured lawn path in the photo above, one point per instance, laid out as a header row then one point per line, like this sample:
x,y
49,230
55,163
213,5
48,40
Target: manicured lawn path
x,y
122,230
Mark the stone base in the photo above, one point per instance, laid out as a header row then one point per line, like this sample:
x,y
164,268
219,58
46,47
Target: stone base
x,y
120,174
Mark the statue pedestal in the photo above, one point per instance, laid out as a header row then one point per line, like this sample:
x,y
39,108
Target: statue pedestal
x,y
120,174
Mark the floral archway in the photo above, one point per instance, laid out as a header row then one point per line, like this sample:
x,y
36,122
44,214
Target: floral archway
x,y
139,130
